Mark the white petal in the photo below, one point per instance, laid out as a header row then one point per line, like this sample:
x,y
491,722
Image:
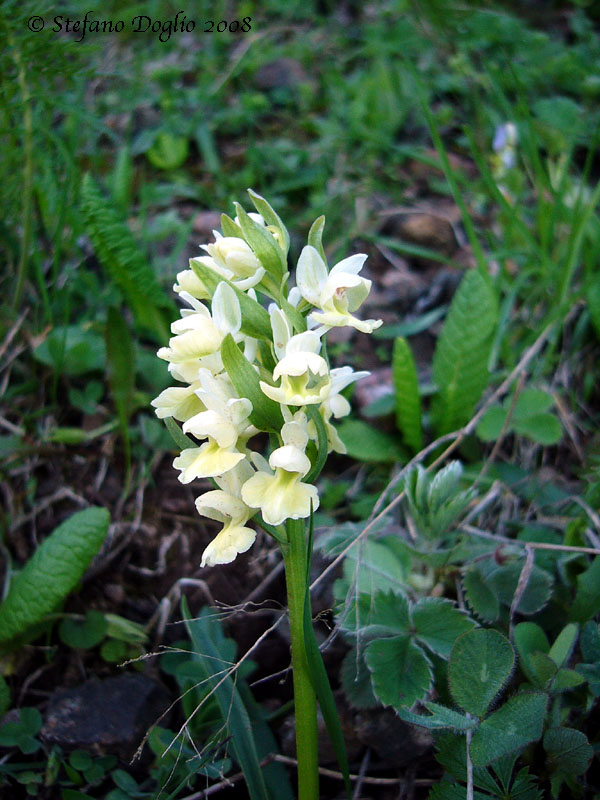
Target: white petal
x,y
222,507
291,459
228,544
282,332
226,309
352,264
311,274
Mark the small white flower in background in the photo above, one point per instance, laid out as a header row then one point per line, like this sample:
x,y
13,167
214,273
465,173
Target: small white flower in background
x,y
505,142
336,294
289,367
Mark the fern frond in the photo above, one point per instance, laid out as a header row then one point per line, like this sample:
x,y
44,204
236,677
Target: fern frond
x,y
125,264
460,362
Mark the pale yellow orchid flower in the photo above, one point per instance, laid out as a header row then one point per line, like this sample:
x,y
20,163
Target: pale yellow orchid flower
x,y
304,373
180,402
336,294
283,495
235,537
199,334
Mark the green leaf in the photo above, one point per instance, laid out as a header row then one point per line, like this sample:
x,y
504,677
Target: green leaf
x,y
85,633
589,642
120,362
480,597
263,245
124,262
376,614
72,350
255,319
587,599
4,696
568,750
529,638
53,571
230,228
120,367
80,759
266,413
543,669
114,651
480,664
271,217
411,326
592,297
441,718
460,362
542,428
366,443
168,151
406,389
356,681
205,638
453,791
517,723
122,178
561,650
504,580
315,236
438,624
565,680
400,672
372,567
530,403
179,437
491,424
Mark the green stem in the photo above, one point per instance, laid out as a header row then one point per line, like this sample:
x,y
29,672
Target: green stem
x,y
305,701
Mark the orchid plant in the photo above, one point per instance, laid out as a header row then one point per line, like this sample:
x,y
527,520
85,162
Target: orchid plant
x,y
245,371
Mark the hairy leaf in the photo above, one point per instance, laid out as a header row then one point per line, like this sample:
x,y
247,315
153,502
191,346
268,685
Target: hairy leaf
x,y
530,639
440,718
480,664
517,723
401,673
53,571
587,598
438,623
406,389
356,681
460,362
480,597
568,750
